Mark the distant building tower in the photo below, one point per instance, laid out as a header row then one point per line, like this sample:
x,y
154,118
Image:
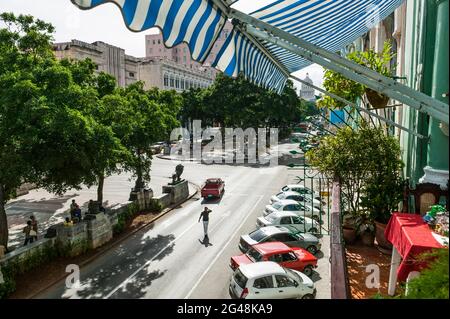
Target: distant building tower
x,y
307,92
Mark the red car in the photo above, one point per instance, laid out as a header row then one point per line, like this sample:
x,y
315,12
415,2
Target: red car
x,y
290,257
213,187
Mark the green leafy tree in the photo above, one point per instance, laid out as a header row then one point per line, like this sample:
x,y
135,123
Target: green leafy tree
x,y
149,119
45,133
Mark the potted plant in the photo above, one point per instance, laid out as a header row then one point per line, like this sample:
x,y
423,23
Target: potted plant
x,y
336,83
379,62
348,228
365,228
383,189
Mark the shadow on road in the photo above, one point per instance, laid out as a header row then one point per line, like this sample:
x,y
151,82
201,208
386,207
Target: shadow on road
x,y
115,269
205,242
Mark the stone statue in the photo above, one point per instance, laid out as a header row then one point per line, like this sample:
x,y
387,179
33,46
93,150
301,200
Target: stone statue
x,y
176,177
179,170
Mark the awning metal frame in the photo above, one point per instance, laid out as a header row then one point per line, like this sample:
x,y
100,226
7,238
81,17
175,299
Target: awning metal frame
x,y
361,109
333,61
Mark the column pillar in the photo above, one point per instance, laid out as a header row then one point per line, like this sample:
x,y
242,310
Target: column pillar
x,y
436,171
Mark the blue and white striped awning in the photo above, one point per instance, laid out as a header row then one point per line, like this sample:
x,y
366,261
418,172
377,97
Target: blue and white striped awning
x,y
330,24
240,54
196,22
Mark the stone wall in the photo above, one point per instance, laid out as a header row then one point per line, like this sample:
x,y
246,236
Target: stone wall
x,y
99,231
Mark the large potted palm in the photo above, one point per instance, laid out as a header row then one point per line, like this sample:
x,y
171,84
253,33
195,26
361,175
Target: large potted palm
x,y
383,189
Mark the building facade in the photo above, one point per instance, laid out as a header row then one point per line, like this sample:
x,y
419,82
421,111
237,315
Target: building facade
x,y
418,31
307,92
157,72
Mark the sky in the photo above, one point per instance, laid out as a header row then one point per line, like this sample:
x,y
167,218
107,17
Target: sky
x,y
105,23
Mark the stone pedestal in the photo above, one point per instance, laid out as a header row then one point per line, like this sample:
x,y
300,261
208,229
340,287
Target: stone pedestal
x,y
143,198
178,192
74,237
99,231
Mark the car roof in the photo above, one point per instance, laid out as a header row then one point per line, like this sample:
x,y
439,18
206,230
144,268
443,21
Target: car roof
x,y
280,213
261,268
296,186
271,230
287,202
272,247
287,193
213,180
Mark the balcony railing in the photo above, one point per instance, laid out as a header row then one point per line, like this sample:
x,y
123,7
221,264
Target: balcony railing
x,y
340,288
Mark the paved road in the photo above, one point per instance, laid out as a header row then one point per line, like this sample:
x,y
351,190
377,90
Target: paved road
x,y
169,259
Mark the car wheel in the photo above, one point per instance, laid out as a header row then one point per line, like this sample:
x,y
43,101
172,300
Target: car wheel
x,y
313,230
308,296
312,249
308,270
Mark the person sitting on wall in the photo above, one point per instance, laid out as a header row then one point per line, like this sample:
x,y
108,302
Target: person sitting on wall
x,y
76,215
29,233
68,222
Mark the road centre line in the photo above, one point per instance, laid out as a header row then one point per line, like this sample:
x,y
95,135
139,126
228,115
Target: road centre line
x,y
223,249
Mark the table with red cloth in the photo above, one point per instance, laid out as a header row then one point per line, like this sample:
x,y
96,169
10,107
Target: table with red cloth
x,y
411,236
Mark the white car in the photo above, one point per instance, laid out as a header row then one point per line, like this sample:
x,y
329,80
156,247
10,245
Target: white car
x,y
297,197
289,205
303,190
302,224
269,280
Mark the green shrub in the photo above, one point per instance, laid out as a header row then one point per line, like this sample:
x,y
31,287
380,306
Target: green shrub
x,y
433,281
155,206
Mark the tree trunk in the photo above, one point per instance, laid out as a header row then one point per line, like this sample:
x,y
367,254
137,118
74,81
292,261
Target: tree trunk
x,y
139,182
3,220
101,181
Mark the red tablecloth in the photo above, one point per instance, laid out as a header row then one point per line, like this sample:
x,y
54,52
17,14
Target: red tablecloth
x,y
411,236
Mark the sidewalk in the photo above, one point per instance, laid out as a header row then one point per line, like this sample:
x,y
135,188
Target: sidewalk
x,y
50,209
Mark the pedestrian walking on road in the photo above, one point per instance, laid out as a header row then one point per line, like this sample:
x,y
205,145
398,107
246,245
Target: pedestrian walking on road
x,y
205,215
34,226
29,233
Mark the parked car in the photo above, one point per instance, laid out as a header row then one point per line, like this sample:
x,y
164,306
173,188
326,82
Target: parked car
x,y
288,235
213,187
297,197
290,257
289,205
268,280
303,190
300,223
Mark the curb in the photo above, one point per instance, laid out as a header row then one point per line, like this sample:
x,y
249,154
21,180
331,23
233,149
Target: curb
x,y
106,248
166,158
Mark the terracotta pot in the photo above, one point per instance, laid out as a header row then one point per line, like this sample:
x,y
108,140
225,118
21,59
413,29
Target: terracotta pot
x,y
379,235
349,235
368,239
377,100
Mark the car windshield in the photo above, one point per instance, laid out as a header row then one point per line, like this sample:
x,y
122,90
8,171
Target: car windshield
x,y
240,279
277,206
293,274
254,255
271,217
280,195
257,235
285,188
